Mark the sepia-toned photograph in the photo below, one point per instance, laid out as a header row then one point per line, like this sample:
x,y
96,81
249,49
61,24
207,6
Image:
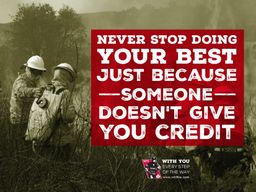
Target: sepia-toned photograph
x,y
45,99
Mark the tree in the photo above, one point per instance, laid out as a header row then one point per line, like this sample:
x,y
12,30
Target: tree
x,y
34,29
71,35
38,29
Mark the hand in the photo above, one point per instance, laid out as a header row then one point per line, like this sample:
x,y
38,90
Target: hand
x,y
38,92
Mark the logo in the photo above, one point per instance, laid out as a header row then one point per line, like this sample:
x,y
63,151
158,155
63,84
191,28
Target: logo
x,y
152,168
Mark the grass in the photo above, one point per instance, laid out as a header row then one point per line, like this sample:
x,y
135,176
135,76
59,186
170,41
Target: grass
x,y
93,169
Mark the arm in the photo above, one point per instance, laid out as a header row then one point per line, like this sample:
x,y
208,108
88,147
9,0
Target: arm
x,y
21,90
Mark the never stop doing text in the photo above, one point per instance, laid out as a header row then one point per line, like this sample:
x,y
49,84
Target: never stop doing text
x,y
158,56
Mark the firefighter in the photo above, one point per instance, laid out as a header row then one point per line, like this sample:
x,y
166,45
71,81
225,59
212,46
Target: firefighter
x,y
28,86
59,144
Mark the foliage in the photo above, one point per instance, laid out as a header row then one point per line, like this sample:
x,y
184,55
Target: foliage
x,y
38,29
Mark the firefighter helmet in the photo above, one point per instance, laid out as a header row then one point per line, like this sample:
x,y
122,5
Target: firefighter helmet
x,y
36,62
68,68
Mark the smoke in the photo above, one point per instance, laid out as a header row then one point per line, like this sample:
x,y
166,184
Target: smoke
x,y
8,7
